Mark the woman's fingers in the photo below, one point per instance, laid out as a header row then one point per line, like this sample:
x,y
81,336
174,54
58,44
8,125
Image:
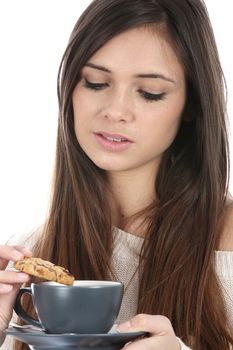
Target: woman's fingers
x,y
9,278
147,344
154,324
159,328
13,253
10,281
23,250
8,253
13,277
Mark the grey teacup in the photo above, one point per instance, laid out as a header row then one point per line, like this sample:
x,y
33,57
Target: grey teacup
x,y
86,307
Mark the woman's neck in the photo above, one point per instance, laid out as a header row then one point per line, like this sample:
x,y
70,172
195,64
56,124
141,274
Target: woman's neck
x,y
130,193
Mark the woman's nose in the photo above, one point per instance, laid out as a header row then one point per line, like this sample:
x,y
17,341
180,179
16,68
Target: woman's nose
x,y
119,107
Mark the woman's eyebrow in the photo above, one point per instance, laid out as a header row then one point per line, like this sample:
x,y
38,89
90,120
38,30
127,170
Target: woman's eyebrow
x,y
95,66
156,76
142,75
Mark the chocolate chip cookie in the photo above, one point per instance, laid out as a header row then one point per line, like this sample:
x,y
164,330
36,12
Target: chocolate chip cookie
x,y
44,269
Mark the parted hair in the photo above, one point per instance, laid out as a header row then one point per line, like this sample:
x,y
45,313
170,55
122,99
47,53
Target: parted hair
x,y
177,260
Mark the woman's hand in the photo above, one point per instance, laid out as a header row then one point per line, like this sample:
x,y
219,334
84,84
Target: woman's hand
x,y
10,282
162,335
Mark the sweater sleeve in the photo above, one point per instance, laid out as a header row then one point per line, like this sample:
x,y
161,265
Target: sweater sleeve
x,y
8,343
224,270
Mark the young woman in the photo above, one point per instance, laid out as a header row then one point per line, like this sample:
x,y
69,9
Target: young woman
x,y
140,188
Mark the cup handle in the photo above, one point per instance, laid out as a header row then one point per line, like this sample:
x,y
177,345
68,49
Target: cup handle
x,y
21,312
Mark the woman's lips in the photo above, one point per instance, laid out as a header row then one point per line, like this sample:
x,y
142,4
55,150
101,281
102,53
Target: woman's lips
x,y
113,142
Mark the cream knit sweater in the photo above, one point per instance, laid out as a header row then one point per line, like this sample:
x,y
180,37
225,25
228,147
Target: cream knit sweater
x,y
125,261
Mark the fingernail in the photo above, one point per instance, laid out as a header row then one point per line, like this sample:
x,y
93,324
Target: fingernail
x,y
23,249
122,327
26,251
17,255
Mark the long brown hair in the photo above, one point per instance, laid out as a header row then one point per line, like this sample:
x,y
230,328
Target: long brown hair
x,y
177,271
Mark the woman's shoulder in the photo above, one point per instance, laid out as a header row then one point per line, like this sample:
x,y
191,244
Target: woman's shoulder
x,y
28,239
226,239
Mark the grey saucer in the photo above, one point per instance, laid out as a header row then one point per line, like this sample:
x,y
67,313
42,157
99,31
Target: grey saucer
x,y
39,340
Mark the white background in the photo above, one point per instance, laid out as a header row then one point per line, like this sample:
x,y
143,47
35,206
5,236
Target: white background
x,y
33,36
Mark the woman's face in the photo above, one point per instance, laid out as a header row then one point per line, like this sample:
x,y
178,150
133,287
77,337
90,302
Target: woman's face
x,y
129,101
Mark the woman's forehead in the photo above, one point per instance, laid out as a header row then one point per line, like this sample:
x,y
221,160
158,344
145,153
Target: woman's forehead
x,y
139,50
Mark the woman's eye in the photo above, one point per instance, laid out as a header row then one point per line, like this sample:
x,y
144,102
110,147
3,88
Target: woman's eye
x,y
94,86
152,97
